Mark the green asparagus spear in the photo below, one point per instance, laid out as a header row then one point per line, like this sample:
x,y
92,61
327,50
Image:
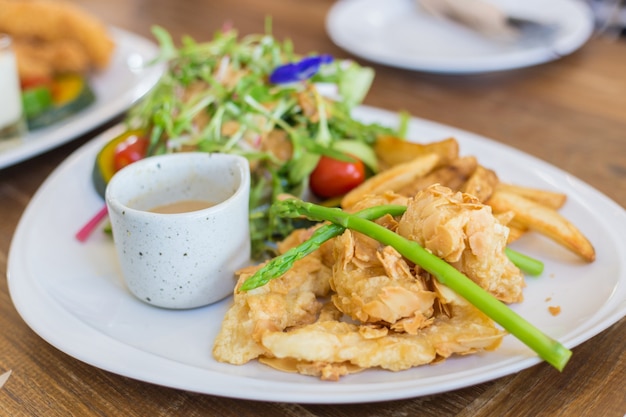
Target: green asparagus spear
x,y
547,348
525,263
282,263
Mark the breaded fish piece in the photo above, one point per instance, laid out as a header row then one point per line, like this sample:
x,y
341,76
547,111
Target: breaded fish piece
x,y
325,343
37,59
384,311
458,228
374,284
288,301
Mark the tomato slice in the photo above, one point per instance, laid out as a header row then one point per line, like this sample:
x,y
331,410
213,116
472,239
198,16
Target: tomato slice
x,y
332,177
132,149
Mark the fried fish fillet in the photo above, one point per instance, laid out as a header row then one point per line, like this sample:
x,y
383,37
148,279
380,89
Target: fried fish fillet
x,y
384,312
288,301
329,342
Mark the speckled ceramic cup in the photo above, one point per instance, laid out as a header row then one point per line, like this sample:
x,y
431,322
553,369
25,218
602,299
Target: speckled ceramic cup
x,y
188,259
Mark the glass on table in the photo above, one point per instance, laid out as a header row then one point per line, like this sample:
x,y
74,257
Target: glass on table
x,y
12,121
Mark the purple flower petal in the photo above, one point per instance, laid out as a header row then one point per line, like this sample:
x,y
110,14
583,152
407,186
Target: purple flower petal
x,y
298,71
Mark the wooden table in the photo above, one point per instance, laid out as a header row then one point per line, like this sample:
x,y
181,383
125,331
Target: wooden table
x,y
571,113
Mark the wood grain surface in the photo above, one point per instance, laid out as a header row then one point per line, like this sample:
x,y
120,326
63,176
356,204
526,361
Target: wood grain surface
x,y
570,113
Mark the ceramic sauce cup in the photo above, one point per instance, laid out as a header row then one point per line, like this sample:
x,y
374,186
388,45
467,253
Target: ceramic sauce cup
x,y
181,227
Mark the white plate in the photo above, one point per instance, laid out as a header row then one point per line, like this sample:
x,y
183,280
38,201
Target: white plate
x,y
397,33
73,296
116,89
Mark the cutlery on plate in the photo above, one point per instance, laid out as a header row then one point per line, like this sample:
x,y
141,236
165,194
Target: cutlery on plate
x,y
489,20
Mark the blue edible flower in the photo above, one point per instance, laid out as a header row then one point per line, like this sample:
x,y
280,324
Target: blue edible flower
x,y
298,71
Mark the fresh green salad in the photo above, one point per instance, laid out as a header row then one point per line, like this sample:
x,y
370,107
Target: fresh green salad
x,y
256,97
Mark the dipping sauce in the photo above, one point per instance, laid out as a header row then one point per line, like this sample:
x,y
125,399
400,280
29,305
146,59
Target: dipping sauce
x,y
183,206
188,259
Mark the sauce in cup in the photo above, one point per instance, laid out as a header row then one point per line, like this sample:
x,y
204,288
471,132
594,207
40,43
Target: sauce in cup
x,y
183,206
188,258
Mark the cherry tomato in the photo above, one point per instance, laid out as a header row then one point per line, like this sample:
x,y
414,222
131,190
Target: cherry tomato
x,y
131,150
32,82
332,178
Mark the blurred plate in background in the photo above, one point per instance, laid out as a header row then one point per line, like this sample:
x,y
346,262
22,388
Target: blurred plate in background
x,y
124,82
397,33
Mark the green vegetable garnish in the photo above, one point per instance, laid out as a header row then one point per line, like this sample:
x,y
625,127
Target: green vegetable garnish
x,y
547,348
282,263
525,263
36,100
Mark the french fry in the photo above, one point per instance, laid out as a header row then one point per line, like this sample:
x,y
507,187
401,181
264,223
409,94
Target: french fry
x,y
404,172
516,229
544,220
550,199
392,179
452,175
481,184
515,233
392,151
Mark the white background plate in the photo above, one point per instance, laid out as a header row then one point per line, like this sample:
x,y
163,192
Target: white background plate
x,y
397,33
73,296
116,89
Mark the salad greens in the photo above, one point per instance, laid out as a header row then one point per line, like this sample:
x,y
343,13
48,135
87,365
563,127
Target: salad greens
x,y
217,97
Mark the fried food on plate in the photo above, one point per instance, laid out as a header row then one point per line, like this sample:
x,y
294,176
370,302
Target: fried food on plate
x,y
393,179
481,183
38,59
332,348
53,37
551,199
545,220
458,228
452,175
385,312
393,151
282,303
520,208
375,284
